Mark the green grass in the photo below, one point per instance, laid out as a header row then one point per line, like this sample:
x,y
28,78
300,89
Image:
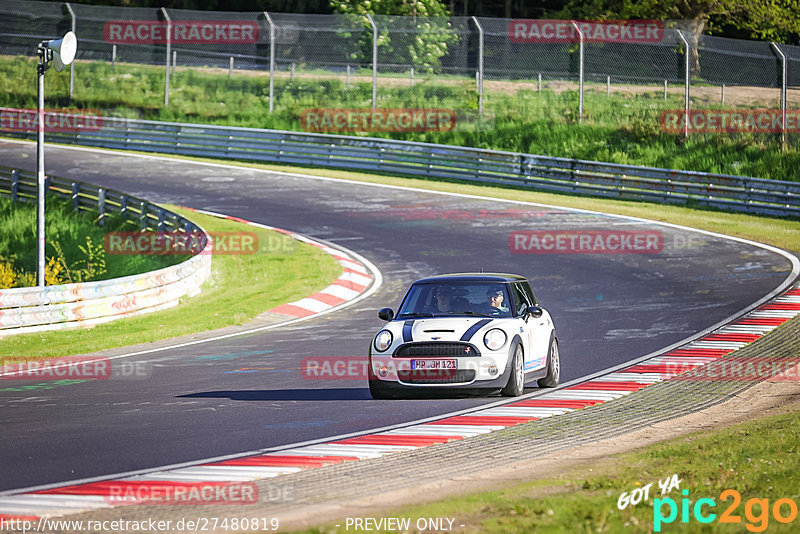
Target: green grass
x,y
621,128
759,459
70,230
241,287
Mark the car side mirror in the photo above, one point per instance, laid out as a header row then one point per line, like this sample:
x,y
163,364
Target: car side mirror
x,y
534,311
385,314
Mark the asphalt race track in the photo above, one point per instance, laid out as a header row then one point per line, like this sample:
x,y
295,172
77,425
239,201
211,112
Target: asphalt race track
x,y
247,393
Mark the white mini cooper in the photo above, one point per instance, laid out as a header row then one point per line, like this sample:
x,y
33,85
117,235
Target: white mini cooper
x,y
475,331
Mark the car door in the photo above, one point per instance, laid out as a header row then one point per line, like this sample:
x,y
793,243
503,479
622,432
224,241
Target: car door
x,y
520,301
538,328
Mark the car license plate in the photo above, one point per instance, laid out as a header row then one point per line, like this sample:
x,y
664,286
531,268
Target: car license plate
x,y
434,364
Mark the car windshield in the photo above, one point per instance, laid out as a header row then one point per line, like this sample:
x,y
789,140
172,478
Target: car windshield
x,y
480,299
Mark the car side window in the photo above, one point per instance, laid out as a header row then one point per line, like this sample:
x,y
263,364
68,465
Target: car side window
x,y
528,291
520,299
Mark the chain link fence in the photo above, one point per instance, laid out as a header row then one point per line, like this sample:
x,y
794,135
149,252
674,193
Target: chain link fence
x,y
261,65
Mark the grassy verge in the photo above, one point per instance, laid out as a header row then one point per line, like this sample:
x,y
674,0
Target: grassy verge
x,y
759,459
622,128
241,287
70,231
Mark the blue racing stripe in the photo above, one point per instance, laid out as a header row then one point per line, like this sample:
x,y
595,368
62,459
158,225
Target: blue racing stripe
x,y
474,328
407,331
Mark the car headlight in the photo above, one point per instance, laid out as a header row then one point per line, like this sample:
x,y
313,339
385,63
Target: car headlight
x,y
494,339
383,340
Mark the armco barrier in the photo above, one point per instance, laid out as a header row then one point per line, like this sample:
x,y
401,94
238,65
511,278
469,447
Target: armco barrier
x,y
750,195
30,309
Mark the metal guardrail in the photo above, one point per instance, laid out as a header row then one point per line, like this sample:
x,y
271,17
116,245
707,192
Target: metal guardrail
x,y
627,182
31,309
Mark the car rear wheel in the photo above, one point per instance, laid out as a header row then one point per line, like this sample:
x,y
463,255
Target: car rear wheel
x,y
516,381
553,367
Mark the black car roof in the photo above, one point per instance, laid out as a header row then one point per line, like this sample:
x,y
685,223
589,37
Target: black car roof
x,y
471,277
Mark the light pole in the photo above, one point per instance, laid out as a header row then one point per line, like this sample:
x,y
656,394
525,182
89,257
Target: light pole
x,y
59,52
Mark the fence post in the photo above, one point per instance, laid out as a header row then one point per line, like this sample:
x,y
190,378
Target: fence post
x,y
347,77
101,206
540,82
480,65
374,61
722,98
783,93
174,60
686,89
14,185
608,85
169,48
113,57
71,65
665,90
291,73
76,201
230,69
271,61
580,71
143,215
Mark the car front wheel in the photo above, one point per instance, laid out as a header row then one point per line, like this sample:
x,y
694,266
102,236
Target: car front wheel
x,y
516,381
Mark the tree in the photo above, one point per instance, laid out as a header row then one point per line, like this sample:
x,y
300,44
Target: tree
x,y
424,21
762,19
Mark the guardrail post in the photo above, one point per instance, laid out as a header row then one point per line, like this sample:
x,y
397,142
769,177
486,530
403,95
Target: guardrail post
x,y
101,207
71,65
76,189
580,71
480,65
160,227
686,89
169,48
123,206
143,215
783,94
374,61
14,185
271,61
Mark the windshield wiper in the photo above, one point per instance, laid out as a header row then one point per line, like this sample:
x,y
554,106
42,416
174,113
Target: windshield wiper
x,y
416,315
470,313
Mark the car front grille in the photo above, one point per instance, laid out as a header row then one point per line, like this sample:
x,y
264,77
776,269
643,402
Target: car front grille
x,y
442,349
437,376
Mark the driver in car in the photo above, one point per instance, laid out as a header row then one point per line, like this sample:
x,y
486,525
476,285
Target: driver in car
x,y
495,297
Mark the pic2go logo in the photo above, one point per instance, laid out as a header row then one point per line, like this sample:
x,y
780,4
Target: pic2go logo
x,y
756,511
